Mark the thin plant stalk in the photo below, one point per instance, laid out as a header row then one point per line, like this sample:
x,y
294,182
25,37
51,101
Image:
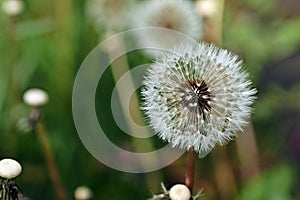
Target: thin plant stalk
x,y
118,68
223,173
60,191
213,22
248,154
12,84
63,12
190,169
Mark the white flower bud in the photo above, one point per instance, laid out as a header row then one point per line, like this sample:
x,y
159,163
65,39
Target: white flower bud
x,y
83,193
9,168
35,97
12,7
206,7
180,192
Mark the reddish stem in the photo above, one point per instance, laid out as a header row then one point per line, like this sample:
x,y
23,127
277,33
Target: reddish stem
x,y
61,194
190,169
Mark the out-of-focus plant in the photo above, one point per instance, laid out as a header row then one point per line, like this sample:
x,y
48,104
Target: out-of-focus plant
x,y
275,184
259,33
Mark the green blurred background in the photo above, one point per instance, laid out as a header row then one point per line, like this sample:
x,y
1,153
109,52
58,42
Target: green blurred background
x,y
44,47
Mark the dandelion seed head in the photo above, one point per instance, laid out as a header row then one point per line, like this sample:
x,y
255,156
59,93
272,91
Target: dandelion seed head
x,y
108,15
197,96
177,15
9,168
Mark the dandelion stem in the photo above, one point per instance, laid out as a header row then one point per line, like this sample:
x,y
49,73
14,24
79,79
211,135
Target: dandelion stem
x,y
213,23
119,68
190,169
249,162
61,194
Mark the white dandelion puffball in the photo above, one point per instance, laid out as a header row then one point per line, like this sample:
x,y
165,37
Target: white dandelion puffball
x,y
83,193
197,96
12,7
35,97
107,14
9,168
177,15
180,192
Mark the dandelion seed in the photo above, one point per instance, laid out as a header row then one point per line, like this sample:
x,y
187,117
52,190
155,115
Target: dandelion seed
x,y
177,15
201,108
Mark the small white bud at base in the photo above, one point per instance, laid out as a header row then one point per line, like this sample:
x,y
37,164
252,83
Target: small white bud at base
x,y
12,7
35,97
180,192
9,168
83,193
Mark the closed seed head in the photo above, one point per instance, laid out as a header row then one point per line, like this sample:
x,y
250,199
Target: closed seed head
x,y
9,168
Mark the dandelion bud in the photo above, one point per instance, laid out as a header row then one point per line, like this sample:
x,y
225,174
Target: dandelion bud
x,y
9,168
35,97
83,193
12,7
180,192
206,7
